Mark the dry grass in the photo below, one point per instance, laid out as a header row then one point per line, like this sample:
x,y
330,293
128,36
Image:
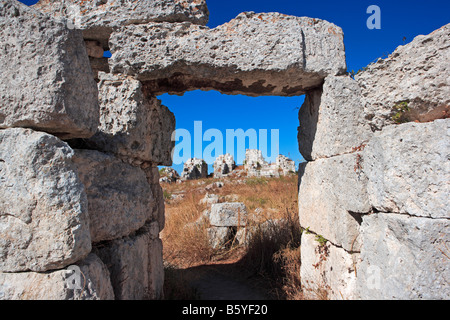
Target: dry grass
x,y
274,248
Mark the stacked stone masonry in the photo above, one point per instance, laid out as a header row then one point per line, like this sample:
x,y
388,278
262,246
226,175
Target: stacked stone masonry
x,y
81,137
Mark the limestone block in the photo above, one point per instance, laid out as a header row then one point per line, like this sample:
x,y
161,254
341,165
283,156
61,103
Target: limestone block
x,y
44,222
228,214
93,282
332,120
97,18
46,81
408,169
253,54
327,271
135,265
332,196
417,75
133,124
404,257
119,196
152,174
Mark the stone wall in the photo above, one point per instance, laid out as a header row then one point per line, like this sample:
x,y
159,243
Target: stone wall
x,y
81,207
373,194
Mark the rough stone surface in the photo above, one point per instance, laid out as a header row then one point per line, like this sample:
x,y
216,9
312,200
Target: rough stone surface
x,y
132,123
408,169
332,196
194,169
416,73
327,270
404,257
168,175
44,221
46,81
153,177
55,285
135,264
228,214
223,165
254,161
98,18
253,54
285,165
119,196
332,120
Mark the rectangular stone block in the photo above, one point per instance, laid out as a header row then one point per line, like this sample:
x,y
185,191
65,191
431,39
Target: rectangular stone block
x,y
120,199
327,271
133,124
404,257
332,120
253,54
46,81
85,280
332,197
135,263
44,221
408,169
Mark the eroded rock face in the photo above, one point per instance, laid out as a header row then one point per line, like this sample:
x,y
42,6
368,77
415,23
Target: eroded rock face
x,y
404,257
133,125
46,82
94,283
97,18
411,84
408,171
253,54
119,196
44,222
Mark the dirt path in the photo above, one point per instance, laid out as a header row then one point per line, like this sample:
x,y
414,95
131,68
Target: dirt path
x,y
224,282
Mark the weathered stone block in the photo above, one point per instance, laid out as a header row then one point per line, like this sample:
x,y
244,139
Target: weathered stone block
x,y
135,264
404,257
133,124
119,197
194,169
253,54
44,222
332,120
408,169
332,196
228,214
327,271
98,18
46,81
93,282
411,84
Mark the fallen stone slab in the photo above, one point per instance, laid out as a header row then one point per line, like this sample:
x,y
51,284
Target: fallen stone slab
x,y
46,81
44,221
253,54
228,214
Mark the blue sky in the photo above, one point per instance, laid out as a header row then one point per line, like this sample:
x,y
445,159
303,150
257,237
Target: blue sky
x,y
401,21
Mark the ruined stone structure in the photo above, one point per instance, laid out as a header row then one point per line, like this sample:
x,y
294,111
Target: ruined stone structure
x,y
256,166
79,184
194,169
223,165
